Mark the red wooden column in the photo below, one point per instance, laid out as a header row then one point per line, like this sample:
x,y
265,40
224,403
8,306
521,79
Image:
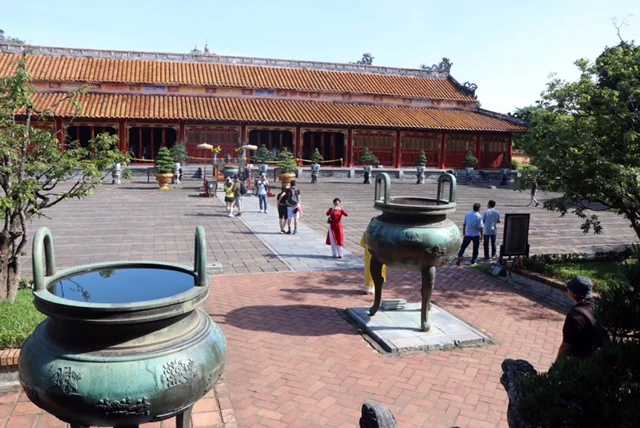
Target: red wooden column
x,y
122,137
349,153
243,135
477,155
297,146
398,154
443,151
60,134
510,148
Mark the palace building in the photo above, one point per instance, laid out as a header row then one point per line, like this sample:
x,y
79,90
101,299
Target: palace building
x,y
158,99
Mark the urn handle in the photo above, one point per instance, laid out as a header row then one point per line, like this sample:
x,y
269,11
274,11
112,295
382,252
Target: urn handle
x,y
200,261
387,188
42,244
451,179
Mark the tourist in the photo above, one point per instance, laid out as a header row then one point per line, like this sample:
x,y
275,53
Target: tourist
x,y
534,191
293,207
368,279
281,199
472,231
263,189
238,192
335,234
581,334
490,218
228,196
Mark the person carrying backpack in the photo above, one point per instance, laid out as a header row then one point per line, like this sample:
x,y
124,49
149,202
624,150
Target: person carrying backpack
x,y
293,207
239,190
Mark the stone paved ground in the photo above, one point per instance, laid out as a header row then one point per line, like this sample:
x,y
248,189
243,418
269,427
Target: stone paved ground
x,y
293,359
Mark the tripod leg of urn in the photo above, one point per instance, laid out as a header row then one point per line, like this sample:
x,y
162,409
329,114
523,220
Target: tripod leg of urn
x,y
428,282
376,273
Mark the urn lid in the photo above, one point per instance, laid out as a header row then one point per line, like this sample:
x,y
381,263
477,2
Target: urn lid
x,y
117,292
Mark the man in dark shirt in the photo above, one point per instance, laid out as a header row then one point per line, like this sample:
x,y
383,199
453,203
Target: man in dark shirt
x,y
581,334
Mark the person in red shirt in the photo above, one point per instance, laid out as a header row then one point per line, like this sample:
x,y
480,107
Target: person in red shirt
x,y
335,234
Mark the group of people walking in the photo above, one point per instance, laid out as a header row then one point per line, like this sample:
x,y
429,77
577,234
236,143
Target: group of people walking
x,y
480,227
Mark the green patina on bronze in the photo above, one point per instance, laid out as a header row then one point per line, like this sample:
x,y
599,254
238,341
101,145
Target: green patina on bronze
x,y
412,233
106,364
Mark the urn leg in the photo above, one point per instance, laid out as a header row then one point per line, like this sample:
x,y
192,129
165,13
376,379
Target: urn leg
x,y
428,282
183,420
375,268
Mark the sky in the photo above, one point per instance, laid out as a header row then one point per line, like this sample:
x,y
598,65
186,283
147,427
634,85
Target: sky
x,y
508,48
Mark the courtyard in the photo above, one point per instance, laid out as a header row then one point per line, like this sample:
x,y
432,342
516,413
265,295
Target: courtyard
x,y
293,359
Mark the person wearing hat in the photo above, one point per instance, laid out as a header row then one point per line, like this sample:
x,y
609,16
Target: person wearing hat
x,y
581,334
263,189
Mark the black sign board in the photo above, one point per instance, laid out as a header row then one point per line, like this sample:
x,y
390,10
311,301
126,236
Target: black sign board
x,y
515,241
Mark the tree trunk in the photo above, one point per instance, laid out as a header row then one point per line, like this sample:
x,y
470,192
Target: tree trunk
x,y
10,262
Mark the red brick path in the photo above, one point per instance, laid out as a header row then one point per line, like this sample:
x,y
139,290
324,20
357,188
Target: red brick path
x,y
293,361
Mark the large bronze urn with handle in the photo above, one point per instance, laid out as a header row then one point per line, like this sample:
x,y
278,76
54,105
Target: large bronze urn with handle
x,y
124,342
412,233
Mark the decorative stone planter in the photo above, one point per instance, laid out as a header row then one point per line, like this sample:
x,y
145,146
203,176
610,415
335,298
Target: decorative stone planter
x,y
164,180
285,179
420,174
230,170
315,171
124,342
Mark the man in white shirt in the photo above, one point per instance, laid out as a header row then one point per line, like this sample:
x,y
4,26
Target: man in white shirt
x,y
490,218
263,190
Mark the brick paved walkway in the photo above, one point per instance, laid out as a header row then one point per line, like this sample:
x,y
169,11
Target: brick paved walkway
x,y
293,359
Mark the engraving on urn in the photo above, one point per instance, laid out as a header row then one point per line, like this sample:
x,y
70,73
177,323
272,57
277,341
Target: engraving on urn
x,y
66,380
211,381
124,407
179,372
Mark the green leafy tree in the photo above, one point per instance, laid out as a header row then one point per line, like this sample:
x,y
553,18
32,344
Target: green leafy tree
x,y
316,157
469,160
179,153
585,138
286,162
36,173
604,388
164,161
4,38
263,155
368,158
422,159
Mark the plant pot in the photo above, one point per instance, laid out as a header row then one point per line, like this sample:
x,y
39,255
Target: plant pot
x,y
421,169
285,179
469,169
164,180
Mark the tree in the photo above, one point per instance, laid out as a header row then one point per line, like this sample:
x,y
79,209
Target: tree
x,y
422,159
604,388
317,157
164,161
286,162
585,138
36,172
263,154
179,153
4,38
368,158
469,160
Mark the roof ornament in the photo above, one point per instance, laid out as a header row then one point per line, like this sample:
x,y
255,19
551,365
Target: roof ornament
x,y
443,67
367,59
206,49
195,50
469,89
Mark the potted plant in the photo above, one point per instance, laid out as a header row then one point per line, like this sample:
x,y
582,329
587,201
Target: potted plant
x,y
287,166
469,161
421,166
505,169
164,168
262,156
368,159
317,159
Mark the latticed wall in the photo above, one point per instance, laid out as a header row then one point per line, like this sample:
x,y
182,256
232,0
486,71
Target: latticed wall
x,y
493,149
457,146
228,138
413,143
380,144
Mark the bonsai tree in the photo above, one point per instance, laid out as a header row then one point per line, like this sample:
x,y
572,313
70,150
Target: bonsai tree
x,y
263,155
469,160
422,159
316,157
164,161
179,153
505,162
368,158
286,162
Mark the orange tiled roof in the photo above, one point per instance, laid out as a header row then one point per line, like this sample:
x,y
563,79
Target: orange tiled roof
x,y
100,70
150,107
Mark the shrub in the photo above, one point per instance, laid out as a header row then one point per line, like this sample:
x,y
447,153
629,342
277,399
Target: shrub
x,y
286,162
469,160
422,159
368,158
263,155
515,164
179,153
164,161
316,157
127,174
